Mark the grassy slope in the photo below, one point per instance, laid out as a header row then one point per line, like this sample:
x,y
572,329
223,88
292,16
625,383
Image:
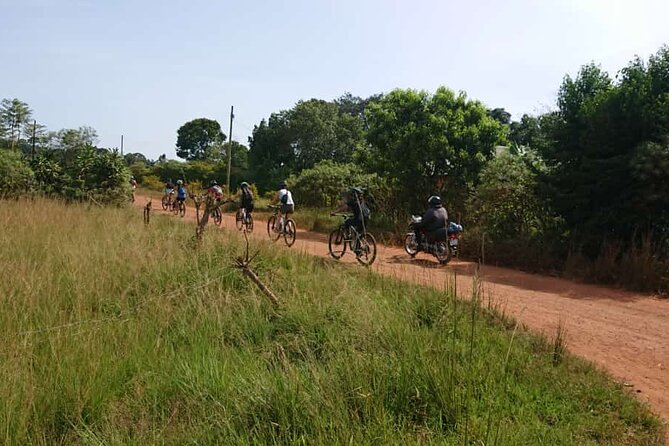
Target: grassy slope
x,y
179,348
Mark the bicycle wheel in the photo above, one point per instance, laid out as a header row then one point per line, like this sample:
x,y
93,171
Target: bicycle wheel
x,y
271,224
367,253
165,203
290,232
249,222
239,219
337,243
182,209
218,217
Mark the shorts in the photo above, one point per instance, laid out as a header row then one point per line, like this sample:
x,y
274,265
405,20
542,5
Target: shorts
x,y
248,206
181,199
287,209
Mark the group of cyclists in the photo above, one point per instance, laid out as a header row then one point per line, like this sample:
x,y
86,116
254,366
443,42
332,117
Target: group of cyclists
x,y
352,202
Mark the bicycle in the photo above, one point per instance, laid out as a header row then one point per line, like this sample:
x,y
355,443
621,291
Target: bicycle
x,y
342,237
179,208
284,227
167,201
244,219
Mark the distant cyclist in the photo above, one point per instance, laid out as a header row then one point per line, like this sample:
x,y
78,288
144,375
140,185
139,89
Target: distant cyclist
x,y
181,192
215,191
246,198
169,188
285,197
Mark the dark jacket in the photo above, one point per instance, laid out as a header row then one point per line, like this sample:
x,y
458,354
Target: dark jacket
x,y
435,218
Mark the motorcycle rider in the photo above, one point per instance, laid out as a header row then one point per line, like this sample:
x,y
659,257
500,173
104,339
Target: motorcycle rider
x,y
434,222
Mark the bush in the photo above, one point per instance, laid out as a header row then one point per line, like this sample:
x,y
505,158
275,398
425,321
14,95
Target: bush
x,y
16,177
322,185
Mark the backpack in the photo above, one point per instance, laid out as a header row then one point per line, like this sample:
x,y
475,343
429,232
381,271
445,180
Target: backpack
x,y
284,198
366,211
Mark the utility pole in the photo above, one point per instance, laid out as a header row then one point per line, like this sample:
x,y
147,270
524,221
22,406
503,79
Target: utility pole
x,y
32,153
232,116
121,145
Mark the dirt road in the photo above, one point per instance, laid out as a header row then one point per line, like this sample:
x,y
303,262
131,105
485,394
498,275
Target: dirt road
x,y
625,333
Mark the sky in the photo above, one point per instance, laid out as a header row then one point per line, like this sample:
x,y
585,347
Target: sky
x,y
142,68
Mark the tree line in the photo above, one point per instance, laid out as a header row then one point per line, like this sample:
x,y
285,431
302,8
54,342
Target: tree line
x,y
583,187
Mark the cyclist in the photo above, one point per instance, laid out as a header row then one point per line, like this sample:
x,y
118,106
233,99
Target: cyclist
x,y
133,182
169,188
352,202
215,191
181,192
246,198
285,197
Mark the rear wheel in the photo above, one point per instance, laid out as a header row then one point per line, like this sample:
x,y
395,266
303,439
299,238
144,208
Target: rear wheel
x,y
337,243
218,217
290,232
411,245
165,202
239,219
249,222
367,252
271,226
442,252
182,209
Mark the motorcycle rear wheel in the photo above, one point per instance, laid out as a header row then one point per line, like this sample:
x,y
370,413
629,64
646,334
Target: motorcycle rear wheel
x,y
442,252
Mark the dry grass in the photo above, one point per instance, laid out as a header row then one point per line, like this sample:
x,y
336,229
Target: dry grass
x,y
118,333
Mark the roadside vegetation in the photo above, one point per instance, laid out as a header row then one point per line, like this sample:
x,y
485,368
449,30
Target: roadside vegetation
x,y
119,333
579,191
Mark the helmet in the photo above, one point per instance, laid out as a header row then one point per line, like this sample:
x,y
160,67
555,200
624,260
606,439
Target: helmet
x,y
132,177
244,184
434,200
356,191
213,183
283,185
179,182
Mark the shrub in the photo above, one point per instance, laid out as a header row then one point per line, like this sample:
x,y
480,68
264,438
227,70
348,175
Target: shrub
x,y
16,177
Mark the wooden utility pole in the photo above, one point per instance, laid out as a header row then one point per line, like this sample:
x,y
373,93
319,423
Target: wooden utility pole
x,y
32,153
121,145
232,116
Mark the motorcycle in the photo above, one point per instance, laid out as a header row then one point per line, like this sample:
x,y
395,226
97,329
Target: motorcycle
x,y
443,248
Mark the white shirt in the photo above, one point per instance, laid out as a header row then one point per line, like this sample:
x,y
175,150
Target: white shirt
x,y
283,192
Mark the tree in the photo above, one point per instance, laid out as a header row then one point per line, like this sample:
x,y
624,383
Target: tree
x,y
200,139
606,136
271,155
500,115
320,131
14,115
134,158
430,143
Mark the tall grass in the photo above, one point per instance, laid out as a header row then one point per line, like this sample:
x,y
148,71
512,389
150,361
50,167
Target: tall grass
x,y
117,333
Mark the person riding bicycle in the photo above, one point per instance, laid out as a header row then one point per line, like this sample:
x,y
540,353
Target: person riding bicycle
x,y
246,198
181,192
169,188
133,182
215,191
434,222
352,202
285,197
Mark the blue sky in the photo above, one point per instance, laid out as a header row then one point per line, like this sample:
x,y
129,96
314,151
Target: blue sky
x,y
143,68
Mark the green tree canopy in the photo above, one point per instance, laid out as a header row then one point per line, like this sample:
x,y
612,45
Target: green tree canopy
x,y
200,139
430,143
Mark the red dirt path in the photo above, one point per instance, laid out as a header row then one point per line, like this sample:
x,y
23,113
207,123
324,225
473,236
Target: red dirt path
x,y
625,333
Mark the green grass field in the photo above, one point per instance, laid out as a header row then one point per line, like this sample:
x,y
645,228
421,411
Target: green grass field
x,y
117,333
